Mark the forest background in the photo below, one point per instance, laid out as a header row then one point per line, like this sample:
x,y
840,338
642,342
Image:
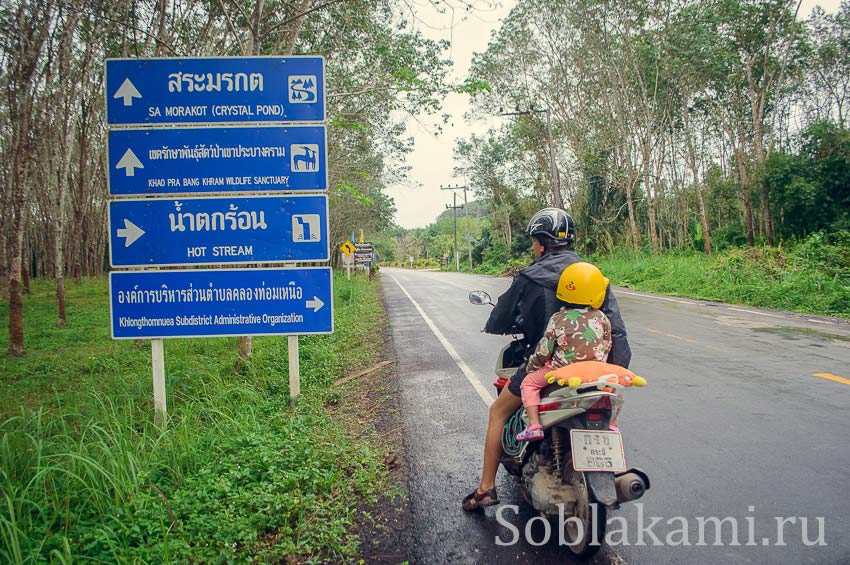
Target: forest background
x,y
702,148
53,129
691,127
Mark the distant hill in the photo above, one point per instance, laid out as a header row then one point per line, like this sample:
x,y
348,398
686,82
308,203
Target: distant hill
x,y
475,209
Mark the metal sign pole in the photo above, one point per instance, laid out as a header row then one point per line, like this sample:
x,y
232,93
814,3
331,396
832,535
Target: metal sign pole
x,y
158,363
294,369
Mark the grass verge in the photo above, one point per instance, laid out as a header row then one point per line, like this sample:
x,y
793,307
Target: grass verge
x,y
812,276
236,476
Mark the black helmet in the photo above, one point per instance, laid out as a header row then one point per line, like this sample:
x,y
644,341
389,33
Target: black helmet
x,y
552,226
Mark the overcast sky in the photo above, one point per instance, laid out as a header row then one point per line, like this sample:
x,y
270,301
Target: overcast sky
x,y
419,201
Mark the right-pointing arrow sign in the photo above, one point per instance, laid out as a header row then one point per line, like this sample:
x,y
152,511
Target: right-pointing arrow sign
x,y
133,232
316,304
129,162
127,91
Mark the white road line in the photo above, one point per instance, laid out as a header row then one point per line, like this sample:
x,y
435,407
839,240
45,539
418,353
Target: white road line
x,y
754,312
655,297
470,376
695,303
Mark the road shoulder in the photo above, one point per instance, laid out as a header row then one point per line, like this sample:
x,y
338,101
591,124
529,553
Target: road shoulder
x,y
370,405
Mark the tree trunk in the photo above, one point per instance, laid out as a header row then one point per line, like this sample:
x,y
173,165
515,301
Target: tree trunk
x,y
749,216
650,198
66,104
16,306
21,61
26,260
630,204
83,144
768,221
745,192
161,35
692,162
621,162
703,217
296,27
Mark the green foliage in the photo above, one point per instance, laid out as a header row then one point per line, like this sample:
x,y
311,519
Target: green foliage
x,y
235,476
472,87
652,101
812,275
811,189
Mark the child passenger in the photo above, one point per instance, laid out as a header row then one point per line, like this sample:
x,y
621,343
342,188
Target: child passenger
x,y
579,331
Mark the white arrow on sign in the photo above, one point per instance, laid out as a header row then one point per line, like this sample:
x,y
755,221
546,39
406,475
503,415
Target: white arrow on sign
x,y
315,304
129,162
127,91
133,232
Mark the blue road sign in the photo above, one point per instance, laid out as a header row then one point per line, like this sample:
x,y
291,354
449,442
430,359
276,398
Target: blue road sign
x,y
217,159
216,89
193,231
223,302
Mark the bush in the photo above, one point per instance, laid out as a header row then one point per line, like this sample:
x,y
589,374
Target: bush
x,y
826,253
811,276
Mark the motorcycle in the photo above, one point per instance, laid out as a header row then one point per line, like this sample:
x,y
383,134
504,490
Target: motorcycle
x,y
578,470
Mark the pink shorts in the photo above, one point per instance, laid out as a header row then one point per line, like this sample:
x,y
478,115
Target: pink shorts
x,y
533,383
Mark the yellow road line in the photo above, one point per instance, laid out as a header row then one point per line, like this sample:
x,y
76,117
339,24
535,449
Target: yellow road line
x,y
680,338
832,377
653,330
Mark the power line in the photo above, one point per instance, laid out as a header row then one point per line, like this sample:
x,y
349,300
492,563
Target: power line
x,y
454,207
466,213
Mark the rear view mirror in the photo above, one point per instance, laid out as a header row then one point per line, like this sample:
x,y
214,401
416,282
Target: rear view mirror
x,y
479,297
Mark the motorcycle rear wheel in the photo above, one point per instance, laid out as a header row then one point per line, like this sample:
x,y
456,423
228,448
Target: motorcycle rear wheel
x,y
580,539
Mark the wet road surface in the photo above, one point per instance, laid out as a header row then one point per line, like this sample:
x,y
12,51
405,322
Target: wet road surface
x,y
746,419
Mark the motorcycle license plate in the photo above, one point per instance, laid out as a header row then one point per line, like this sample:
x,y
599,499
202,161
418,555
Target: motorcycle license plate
x,y
597,451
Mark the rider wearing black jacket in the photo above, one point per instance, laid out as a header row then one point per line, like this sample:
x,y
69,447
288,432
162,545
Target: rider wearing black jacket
x,y
530,302
527,305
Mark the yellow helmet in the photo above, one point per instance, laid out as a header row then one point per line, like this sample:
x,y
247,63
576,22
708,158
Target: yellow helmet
x,y
582,284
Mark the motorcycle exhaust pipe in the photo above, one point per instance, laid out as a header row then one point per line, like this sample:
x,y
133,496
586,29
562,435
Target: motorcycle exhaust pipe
x,y
631,485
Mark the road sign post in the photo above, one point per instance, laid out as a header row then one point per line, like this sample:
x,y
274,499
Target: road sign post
x,y
197,160
221,302
363,254
237,147
347,250
294,369
158,365
215,90
204,231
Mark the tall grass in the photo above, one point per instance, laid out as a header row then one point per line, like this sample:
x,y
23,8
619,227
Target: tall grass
x,y
810,276
235,475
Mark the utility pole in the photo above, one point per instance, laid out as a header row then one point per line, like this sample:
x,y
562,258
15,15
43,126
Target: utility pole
x,y
553,168
465,213
454,207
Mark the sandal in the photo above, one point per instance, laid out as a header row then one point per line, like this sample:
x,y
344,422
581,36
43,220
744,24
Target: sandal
x,y
478,501
534,432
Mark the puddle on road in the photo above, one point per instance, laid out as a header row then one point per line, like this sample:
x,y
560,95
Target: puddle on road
x,y
739,322
794,333
791,333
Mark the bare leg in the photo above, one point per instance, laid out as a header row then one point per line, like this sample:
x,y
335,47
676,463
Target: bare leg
x,y
502,409
533,415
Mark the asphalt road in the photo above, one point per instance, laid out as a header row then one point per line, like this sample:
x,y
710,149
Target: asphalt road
x,y
735,424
